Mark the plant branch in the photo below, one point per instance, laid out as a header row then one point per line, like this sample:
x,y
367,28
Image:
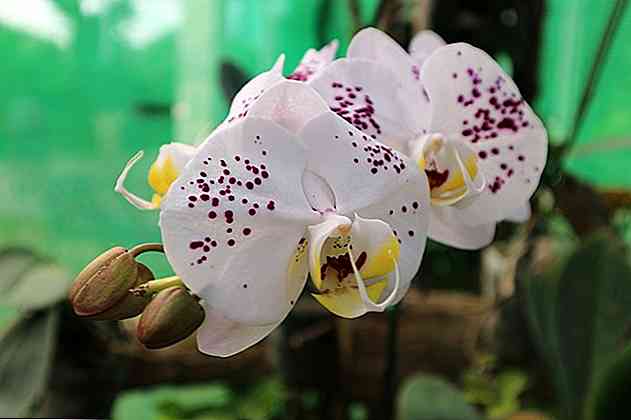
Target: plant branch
x,y
595,72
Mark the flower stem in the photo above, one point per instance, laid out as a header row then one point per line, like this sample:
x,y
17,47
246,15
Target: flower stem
x,y
142,248
154,286
390,381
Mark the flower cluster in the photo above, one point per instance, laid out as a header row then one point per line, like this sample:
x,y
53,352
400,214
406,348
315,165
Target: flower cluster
x,y
338,173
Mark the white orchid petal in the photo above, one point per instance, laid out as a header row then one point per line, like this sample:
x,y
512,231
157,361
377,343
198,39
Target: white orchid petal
x,y
289,103
476,103
446,227
373,44
423,44
520,215
232,221
359,170
218,336
318,192
133,199
407,211
372,98
314,61
252,91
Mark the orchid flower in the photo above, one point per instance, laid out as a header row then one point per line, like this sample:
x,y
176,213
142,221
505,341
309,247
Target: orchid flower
x,y
174,156
458,116
286,191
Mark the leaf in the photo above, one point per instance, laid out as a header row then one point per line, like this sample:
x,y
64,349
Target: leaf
x,y
538,275
594,302
14,262
41,286
172,402
610,399
577,306
26,352
430,398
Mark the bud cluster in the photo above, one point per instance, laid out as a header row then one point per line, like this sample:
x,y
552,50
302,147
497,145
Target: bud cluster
x,y
114,286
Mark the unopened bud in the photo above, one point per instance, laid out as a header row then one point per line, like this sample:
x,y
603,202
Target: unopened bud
x,y
104,282
130,305
171,316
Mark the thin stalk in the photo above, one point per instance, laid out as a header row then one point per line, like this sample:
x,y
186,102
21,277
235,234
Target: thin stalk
x,y
390,380
142,248
595,72
154,286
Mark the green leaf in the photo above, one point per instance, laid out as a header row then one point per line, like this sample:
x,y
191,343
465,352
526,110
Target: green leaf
x,y
538,282
172,402
430,398
578,311
40,287
594,302
26,352
610,399
14,262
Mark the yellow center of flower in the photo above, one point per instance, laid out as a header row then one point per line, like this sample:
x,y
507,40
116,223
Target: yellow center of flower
x,y
338,289
444,169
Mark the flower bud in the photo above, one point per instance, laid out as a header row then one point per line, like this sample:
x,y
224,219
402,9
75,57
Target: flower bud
x,y
104,282
131,304
171,316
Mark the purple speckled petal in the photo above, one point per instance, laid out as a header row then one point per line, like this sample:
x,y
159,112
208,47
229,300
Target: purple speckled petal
x,y
369,96
475,102
232,220
359,170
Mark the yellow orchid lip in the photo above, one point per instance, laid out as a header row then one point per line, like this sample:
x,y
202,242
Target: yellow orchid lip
x,y
450,179
346,279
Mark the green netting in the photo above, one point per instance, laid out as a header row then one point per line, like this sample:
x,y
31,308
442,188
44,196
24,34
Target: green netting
x,y
71,116
136,74
602,153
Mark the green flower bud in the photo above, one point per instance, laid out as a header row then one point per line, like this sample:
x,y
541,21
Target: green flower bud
x,y
104,282
171,316
131,304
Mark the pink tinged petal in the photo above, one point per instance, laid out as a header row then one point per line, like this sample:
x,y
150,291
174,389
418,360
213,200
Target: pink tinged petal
x,y
475,102
371,98
314,61
447,228
520,215
424,44
231,222
289,103
407,211
359,170
252,91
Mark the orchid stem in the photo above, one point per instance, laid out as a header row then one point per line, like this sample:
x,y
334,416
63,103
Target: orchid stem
x,y
142,248
390,381
154,286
